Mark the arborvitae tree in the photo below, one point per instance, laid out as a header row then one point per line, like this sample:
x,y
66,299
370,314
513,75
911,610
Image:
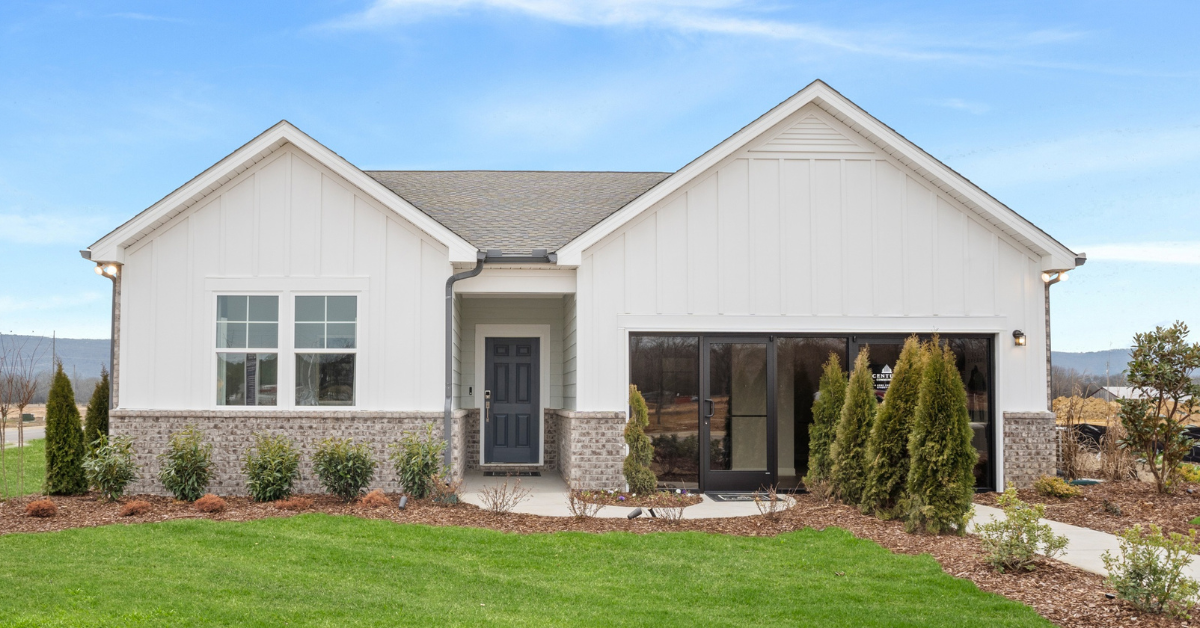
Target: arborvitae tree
x,y
849,450
941,479
887,450
637,464
826,410
97,412
64,439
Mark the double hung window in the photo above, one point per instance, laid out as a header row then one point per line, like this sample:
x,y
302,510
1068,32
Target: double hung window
x,y
247,350
326,350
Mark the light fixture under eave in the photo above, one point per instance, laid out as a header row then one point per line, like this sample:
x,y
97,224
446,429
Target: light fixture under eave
x,y
107,270
1019,338
99,270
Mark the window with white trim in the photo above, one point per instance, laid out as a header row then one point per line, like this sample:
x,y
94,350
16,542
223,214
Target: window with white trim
x,y
247,350
326,350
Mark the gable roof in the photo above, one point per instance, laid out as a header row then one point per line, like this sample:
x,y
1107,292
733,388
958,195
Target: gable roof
x,y
111,247
1054,255
517,211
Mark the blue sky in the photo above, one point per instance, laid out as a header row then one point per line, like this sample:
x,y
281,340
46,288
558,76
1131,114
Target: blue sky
x,y
1082,116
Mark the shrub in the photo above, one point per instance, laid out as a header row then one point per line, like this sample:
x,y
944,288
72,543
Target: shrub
x,y
110,467
272,465
826,411
64,439
1189,473
1048,486
135,508
210,504
344,469
1015,541
887,449
294,504
97,412
41,508
1160,370
770,503
580,504
501,499
444,491
1150,570
637,463
185,464
941,478
849,450
418,459
376,499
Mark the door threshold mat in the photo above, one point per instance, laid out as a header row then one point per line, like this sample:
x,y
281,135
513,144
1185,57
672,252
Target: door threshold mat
x,y
731,497
515,474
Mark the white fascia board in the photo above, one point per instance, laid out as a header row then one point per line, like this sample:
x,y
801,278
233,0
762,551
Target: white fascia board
x,y
110,248
887,139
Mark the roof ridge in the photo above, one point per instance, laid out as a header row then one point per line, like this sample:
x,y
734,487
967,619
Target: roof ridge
x,y
538,171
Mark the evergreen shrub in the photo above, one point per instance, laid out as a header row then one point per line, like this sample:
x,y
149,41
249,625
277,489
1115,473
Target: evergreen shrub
x,y
109,466
1150,571
272,465
343,468
64,439
96,424
887,449
941,478
1014,541
418,460
184,467
849,449
826,409
638,475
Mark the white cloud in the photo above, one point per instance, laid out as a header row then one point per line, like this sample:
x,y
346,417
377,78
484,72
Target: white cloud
x,y
1152,252
1098,152
43,229
976,108
722,17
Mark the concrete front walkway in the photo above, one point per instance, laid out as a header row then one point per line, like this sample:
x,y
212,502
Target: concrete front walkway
x,y
1084,545
31,433
548,497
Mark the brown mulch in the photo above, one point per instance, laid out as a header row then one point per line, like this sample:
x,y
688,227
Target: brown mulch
x,y
1138,502
1065,595
656,500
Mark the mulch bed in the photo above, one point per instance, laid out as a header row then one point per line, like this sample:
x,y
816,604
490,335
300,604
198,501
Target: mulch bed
x,y
1138,503
1065,595
656,500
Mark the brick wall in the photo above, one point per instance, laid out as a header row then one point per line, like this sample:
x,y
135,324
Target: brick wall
x,y
1030,447
550,421
591,449
231,433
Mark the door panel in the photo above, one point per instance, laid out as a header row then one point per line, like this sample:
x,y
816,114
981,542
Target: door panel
x,y
737,408
512,417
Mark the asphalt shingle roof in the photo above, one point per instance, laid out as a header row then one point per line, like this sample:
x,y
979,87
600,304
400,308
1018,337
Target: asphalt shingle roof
x,y
517,211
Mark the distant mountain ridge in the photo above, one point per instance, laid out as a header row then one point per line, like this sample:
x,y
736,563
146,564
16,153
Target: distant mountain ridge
x,y
81,357
1111,361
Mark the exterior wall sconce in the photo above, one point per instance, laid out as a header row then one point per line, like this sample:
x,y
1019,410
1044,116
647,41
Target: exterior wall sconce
x,y
1019,338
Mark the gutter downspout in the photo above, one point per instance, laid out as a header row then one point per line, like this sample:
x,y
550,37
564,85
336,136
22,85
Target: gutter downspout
x,y
114,321
479,257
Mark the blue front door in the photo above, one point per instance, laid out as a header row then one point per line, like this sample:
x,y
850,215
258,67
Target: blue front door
x,y
511,414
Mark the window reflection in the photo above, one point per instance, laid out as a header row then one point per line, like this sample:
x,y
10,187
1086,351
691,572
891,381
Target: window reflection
x,y
666,371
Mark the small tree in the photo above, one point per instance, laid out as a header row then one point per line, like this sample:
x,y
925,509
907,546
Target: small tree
x,y
887,450
641,479
849,450
826,409
941,478
1160,370
64,439
97,412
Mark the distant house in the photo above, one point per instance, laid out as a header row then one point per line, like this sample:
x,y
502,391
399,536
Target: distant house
x,y
1113,393
286,290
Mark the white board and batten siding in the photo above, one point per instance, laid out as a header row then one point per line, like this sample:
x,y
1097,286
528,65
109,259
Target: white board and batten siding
x,y
287,225
808,229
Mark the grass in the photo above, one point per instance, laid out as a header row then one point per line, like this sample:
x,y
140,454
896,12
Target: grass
x,y
34,469
321,570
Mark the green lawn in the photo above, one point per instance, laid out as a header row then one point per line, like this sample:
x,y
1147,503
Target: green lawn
x,y
320,570
35,469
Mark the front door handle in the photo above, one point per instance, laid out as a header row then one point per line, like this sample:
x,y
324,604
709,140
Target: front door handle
x,y
710,409
487,406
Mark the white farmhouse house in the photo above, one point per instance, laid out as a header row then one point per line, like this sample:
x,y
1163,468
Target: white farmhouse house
x,y
286,290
